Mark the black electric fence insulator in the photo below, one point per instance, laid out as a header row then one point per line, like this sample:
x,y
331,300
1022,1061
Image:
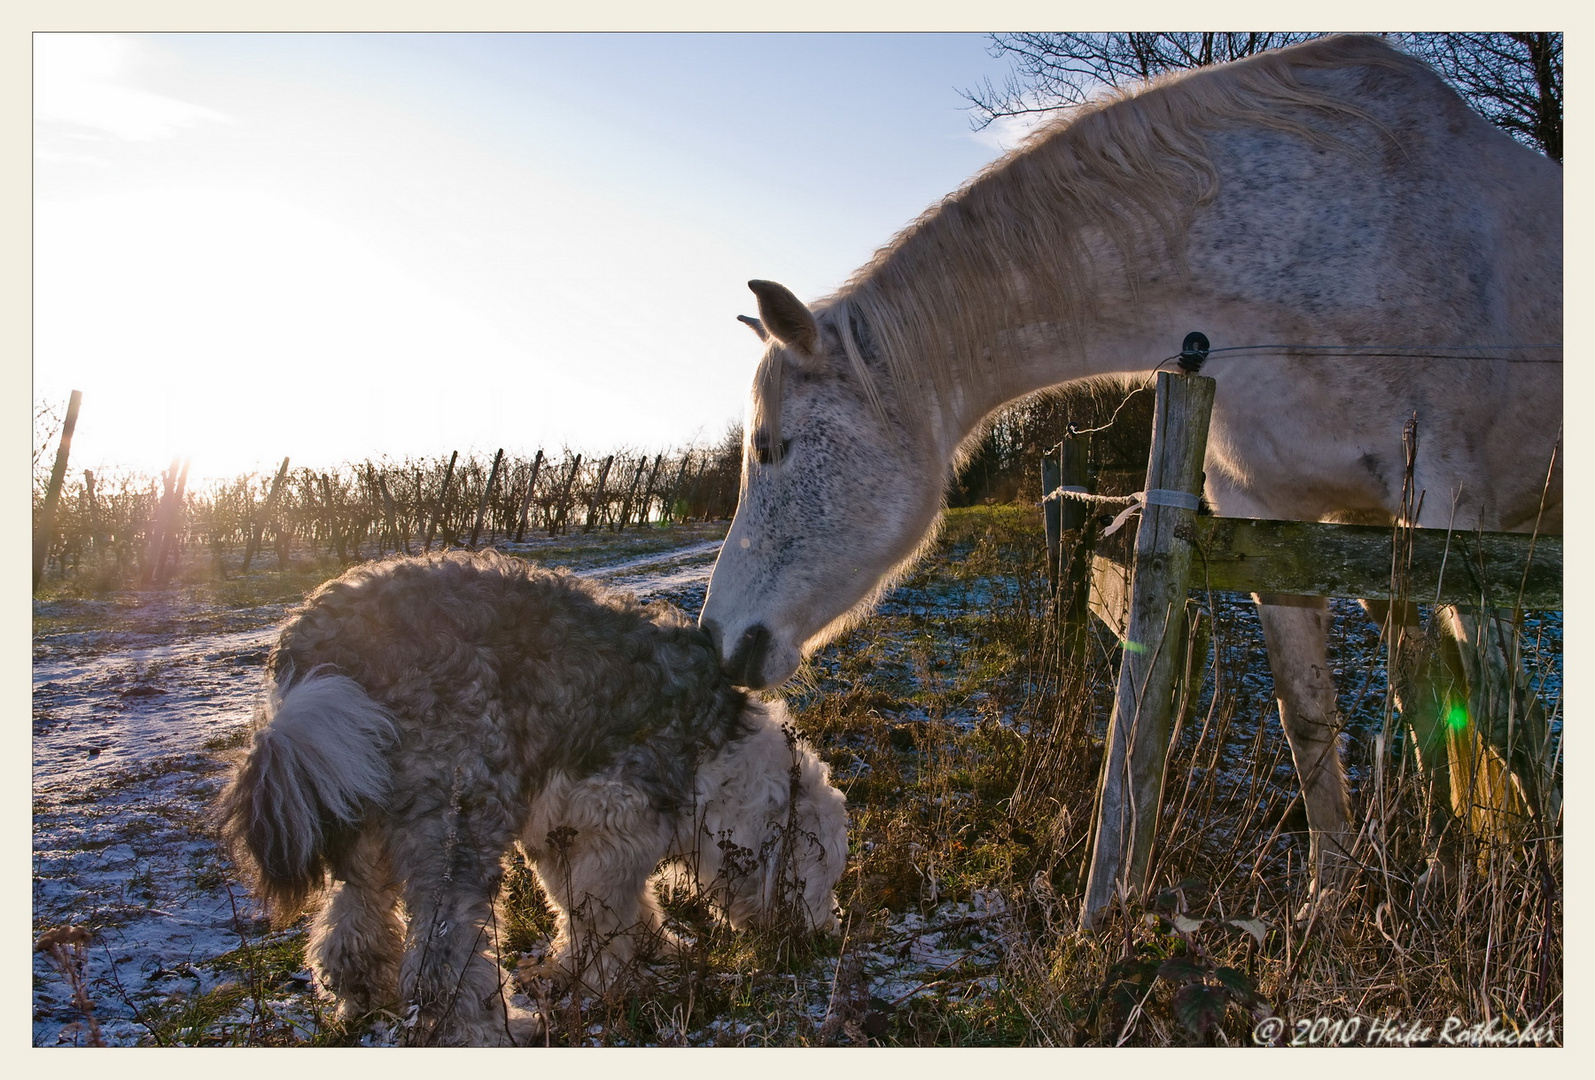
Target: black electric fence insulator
x,y
1194,351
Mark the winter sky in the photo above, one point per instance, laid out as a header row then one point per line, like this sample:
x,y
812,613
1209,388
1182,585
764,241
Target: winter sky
x,y
335,246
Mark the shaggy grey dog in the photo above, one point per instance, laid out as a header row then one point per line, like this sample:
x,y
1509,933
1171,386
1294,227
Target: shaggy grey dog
x,y
422,715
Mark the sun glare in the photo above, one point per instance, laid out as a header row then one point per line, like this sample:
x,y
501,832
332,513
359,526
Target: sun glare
x,y
233,327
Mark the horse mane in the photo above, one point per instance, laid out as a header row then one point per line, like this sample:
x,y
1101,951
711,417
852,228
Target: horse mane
x,y
1131,168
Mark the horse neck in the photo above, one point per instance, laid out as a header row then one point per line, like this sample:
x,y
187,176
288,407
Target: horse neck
x,y
1125,341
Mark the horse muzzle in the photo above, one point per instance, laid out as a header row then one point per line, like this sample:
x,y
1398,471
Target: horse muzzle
x,y
746,663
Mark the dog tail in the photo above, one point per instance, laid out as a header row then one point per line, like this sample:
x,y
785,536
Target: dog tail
x,y
317,764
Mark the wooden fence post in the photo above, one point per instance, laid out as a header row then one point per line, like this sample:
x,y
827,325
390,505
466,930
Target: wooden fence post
x,y
174,520
153,545
399,542
675,489
1076,523
692,491
93,513
556,521
598,493
1051,517
631,495
487,493
443,495
328,499
526,499
52,494
1068,543
257,528
648,491
1143,711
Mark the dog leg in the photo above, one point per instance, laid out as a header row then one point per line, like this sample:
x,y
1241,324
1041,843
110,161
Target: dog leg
x,y
450,862
601,841
760,849
356,938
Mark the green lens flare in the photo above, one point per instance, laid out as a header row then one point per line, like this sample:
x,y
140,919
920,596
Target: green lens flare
x,y
1133,646
1456,716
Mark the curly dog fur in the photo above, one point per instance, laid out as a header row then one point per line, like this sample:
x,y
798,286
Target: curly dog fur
x,y
422,715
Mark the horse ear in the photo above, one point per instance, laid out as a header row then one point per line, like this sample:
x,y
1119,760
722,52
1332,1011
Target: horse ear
x,y
784,316
758,327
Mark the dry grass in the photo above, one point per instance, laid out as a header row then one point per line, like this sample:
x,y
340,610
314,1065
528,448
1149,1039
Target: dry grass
x,y
969,748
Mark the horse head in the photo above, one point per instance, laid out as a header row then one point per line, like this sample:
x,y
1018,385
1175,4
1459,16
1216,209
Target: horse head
x,y
834,494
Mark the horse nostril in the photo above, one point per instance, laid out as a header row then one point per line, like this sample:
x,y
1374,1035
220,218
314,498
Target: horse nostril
x,y
745,667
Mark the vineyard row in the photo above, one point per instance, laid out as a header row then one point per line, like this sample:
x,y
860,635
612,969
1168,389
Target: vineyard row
x,y
143,529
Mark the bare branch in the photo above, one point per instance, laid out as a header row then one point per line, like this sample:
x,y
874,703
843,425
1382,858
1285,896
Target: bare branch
x,y
1513,79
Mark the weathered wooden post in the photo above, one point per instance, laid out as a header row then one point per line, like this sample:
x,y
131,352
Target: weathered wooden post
x,y
487,493
334,520
93,508
443,496
1143,711
257,529
52,494
629,502
526,498
648,491
155,544
1051,513
1072,559
400,541
557,519
598,494
692,491
675,489
174,521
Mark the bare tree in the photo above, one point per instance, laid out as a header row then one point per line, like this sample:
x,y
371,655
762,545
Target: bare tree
x,y
1513,79
1052,71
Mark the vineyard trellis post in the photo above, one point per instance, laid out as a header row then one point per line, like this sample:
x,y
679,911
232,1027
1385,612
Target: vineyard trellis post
x,y
557,520
257,528
487,493
631,495
692,491
675,488
648,491
526,498
170,550
93,507
437,510
598,493
52,495
157,534
400,541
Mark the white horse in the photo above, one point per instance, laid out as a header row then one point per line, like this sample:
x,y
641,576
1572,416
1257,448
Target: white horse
x,y
1335,201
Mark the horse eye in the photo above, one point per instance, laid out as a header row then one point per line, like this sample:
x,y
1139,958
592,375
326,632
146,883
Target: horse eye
x,y
761,448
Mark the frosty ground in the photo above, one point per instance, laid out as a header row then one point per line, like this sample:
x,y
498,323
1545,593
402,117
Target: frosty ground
x,y
968,757
136,702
